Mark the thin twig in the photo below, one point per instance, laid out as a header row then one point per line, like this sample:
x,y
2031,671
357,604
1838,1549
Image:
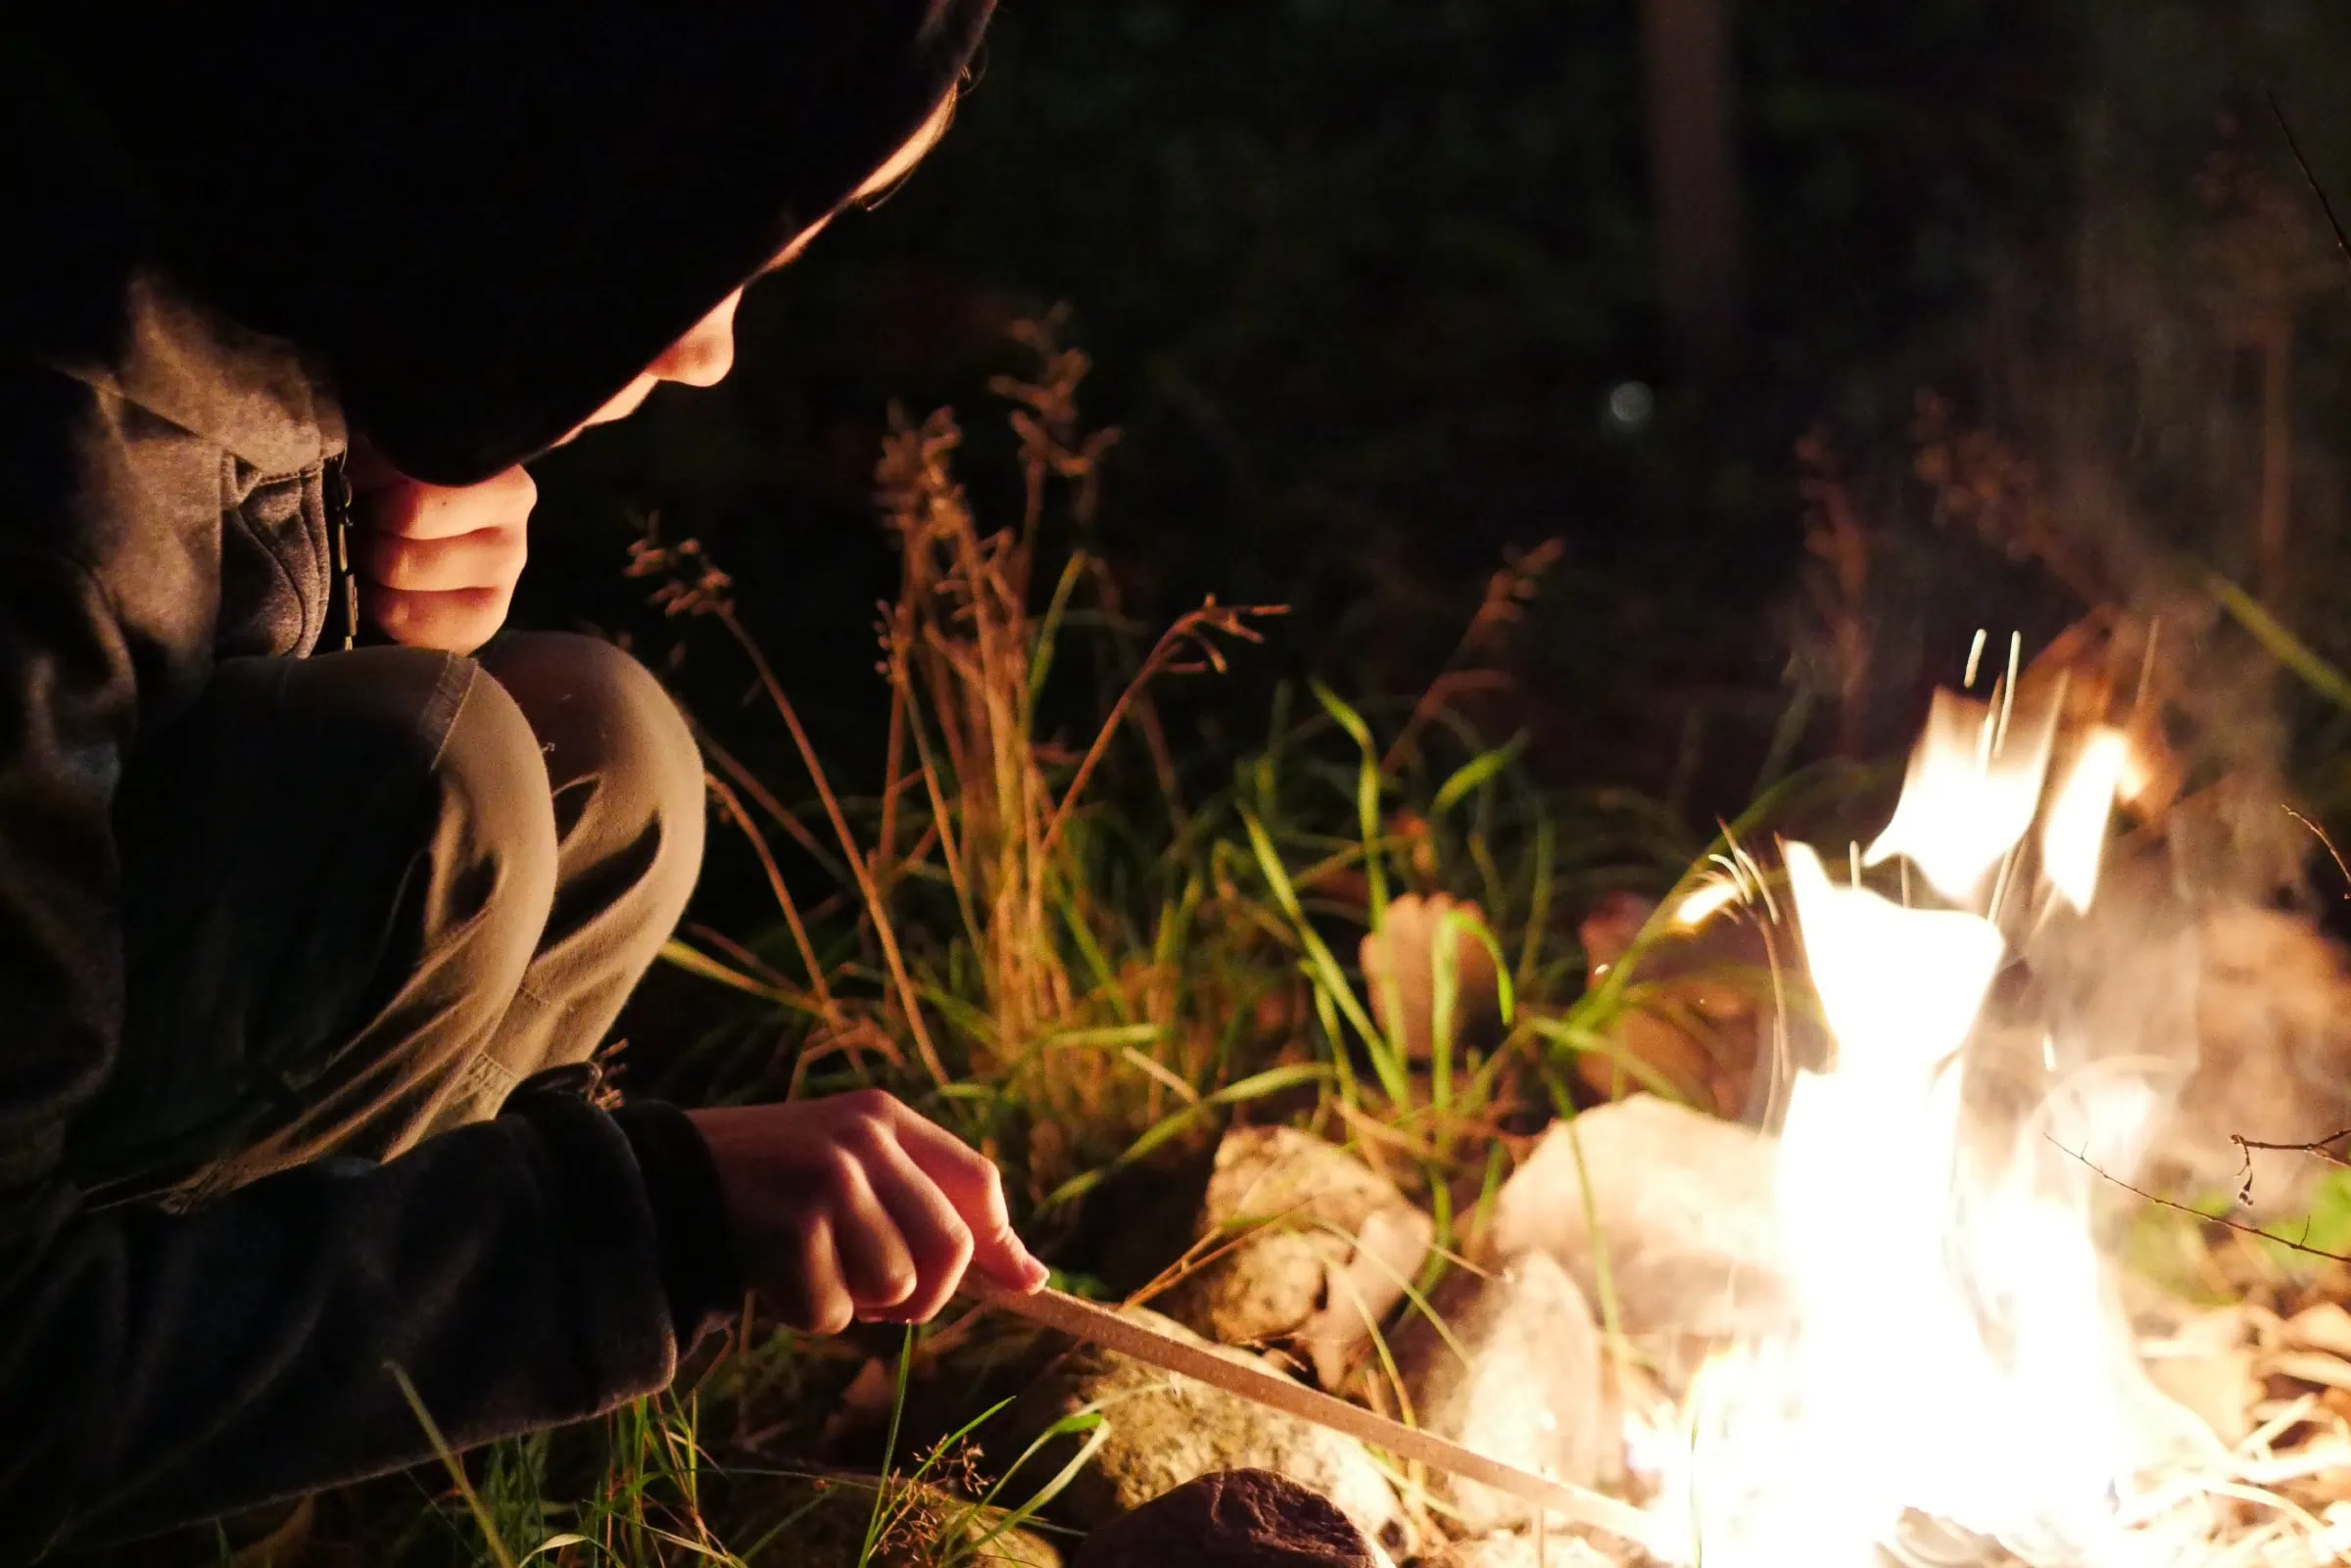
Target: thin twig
x,y
2320,833
2245,1147
2222,1220
2342,241
760,795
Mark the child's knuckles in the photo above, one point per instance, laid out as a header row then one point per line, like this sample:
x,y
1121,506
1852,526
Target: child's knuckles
x,y
839,1172
394,610
518,488
867,1137
868,1105
797,1306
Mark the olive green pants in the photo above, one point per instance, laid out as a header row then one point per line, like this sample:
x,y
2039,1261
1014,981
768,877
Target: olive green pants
x,y
365,894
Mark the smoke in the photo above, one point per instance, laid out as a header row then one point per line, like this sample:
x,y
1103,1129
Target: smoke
x,y
2137,464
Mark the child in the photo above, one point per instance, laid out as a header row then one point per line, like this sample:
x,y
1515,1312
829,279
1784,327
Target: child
x,y
316,892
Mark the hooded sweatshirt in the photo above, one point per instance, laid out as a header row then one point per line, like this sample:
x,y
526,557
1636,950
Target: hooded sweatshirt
x,y
242,232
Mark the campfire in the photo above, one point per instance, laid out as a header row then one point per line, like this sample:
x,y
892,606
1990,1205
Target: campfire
x,y
1959,1377
1900,1327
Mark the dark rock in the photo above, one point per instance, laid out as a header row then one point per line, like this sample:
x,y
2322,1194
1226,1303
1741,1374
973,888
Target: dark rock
x,y
1232,1519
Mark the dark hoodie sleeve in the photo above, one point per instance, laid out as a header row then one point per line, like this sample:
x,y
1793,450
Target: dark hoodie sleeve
x,y
159,1367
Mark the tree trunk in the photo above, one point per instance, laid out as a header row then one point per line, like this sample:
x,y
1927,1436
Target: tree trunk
x,y
1694,178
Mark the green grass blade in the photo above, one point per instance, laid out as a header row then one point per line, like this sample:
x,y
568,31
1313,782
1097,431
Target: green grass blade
x,y
1329,980
889,1450
1256,1086
2313,668
1048,627
693,961
1367,795
493,1542
1477,772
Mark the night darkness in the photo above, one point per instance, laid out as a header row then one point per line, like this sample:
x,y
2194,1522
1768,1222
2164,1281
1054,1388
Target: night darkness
x,y
1361,281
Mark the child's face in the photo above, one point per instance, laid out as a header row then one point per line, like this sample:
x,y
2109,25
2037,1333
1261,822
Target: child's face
x,y
707,353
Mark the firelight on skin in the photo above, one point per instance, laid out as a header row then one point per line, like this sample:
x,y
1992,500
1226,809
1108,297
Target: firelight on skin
x,y
438,564
707,353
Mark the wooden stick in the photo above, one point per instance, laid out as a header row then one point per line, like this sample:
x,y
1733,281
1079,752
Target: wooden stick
x,y
1100,1325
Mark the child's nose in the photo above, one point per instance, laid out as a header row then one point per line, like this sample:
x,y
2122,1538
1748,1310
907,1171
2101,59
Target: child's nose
x,y
704,356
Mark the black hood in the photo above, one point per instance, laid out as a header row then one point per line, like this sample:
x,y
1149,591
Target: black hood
x,y
486,224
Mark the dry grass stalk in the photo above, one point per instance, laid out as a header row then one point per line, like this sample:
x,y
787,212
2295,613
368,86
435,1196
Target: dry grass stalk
x,y
1842,547
1474,665
975,796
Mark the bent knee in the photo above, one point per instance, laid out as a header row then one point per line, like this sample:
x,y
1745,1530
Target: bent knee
x,y
494,847
621,763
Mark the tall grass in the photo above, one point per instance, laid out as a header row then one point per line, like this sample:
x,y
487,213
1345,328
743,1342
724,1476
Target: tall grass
x,y
1087,955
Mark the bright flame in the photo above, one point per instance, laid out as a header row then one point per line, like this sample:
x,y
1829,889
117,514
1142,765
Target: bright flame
x,y
1906,981
1972,791
1704,903
1959,1353
2073,836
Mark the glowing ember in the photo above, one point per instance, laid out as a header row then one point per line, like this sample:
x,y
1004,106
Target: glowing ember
x,y
1959,1354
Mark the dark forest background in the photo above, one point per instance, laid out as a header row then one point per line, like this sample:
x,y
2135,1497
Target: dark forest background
x,y
1382,291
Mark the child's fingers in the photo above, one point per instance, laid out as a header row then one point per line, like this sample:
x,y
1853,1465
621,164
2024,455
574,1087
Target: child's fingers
x,y
875,1264
974,1185
937,1236
487,557
811,1296
414,509
457,620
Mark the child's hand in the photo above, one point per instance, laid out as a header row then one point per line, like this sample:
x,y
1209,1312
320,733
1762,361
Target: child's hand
x,y
438,566
855,1207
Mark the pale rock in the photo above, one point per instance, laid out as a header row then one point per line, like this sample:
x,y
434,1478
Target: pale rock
x,y
1516,1374
1311,1247
2218,1387
1684,1207
1166,1429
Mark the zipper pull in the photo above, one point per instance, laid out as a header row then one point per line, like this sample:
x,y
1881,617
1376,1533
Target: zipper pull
x,y
347,580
